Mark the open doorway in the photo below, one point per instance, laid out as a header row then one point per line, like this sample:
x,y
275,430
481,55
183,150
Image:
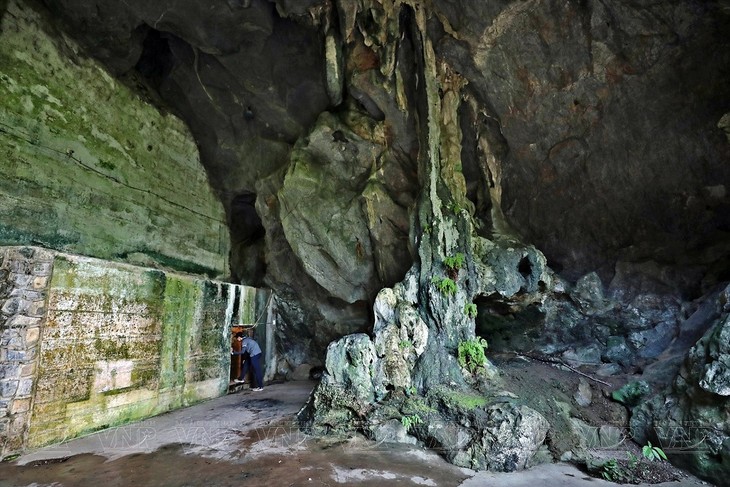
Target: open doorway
x,y
237,360
252,313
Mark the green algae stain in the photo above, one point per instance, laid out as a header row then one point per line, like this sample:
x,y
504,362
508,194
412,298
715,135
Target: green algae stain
x,y
177,322
77,164
169,329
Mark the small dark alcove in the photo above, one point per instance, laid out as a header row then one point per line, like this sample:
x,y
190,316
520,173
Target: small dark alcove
x,y
507,326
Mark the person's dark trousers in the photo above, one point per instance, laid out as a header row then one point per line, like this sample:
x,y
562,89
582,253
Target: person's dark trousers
x,y
258,373
245,359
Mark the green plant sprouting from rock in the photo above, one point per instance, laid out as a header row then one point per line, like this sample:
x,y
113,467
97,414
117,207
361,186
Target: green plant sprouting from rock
x,y
455,262
403,344
471,353
410,420
470,310
455,207
446,285
631,394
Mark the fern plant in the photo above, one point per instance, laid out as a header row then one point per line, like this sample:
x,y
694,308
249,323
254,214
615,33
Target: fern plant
x,y
411,420
470,310
455,262
446,285
471,353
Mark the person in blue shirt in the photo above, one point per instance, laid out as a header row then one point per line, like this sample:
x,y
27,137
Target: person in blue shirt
x,y
251,348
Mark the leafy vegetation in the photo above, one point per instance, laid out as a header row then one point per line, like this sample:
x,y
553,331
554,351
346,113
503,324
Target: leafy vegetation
x,y
455,262
410,420
462,399
632,470
446,285
471,353
405,344
455,207
652,452
470,310
612,471
630,395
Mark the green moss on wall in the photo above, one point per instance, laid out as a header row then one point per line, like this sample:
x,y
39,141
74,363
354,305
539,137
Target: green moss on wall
x,y
121,343
91,168
177,321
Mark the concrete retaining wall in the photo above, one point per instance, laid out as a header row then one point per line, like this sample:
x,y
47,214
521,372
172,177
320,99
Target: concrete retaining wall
x,y
86,344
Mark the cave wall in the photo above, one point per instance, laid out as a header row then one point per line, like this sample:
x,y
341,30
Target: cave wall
x,y
87,343
351,141
608,125
593,130
89,166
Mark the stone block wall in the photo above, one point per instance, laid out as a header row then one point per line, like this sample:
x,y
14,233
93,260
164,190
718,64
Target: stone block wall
x,y
24,278
88,344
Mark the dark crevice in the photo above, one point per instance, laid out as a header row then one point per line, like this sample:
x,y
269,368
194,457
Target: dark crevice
x,y
525,267
247,240
156,60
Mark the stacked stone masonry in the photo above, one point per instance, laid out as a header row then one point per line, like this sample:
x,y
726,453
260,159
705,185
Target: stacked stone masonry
x,y
24,278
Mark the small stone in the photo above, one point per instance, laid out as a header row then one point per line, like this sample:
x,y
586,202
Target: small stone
x,y
301,372
16,355
42,268
606,370
22,321
40,282
37,308
8,388
19,267
617,351
392,431
8,371
22,280
584,356
11,306
20,406
583,396
32,335
17,425
28,370
25,388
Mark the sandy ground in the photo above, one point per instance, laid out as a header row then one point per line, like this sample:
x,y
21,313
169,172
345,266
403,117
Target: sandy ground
x,y
250,438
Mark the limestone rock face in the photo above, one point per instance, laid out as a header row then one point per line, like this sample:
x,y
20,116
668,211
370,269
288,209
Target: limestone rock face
x,y
558,169
691,419
598,110
594,131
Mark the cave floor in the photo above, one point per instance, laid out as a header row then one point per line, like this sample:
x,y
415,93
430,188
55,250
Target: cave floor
x,y
250,438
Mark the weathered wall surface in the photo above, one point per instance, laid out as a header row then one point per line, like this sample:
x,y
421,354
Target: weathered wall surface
x,y
88,344
91,168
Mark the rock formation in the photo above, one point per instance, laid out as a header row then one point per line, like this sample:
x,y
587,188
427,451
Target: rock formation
x,y
404,175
